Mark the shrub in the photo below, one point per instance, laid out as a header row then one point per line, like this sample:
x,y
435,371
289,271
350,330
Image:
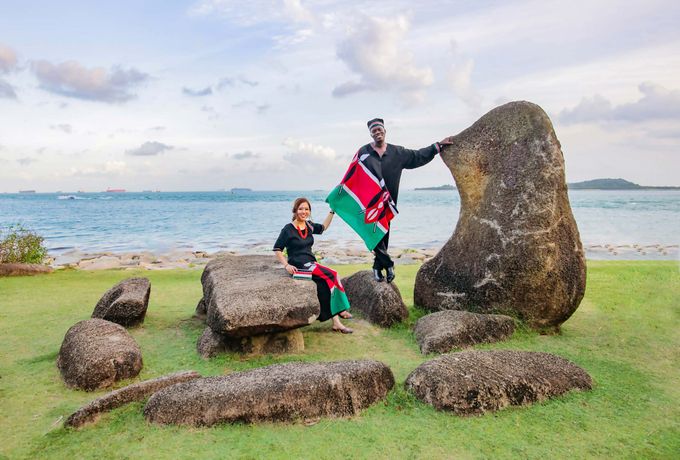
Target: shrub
x,y
21,245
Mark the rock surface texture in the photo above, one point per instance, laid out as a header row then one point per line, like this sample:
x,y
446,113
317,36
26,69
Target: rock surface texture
x,y
252,295
443,331
475,382
380,303
516,248
135,392
125,303
96,353
281,392
211,343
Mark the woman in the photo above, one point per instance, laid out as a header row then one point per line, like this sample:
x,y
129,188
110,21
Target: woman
x,y
297,238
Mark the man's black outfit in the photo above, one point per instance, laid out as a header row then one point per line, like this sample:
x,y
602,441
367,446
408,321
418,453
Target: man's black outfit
x,y
395,159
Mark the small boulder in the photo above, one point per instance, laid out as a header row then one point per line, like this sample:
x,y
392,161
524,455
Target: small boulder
x,y
210,344
96,353
281,392
475,382
445,330
380,303
135,392
253,295
125,303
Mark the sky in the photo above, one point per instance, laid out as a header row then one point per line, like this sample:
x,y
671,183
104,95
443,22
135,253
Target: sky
x,y
275,95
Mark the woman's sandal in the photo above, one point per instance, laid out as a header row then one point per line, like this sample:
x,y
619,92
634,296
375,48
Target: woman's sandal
x,y
347,315
344,330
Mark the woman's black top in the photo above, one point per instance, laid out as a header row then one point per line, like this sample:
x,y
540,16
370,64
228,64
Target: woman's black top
x,y
299,249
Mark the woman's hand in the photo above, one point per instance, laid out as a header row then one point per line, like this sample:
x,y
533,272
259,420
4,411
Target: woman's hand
x,y
290,269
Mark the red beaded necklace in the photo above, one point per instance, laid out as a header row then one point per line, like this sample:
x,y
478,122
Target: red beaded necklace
x,y
303,234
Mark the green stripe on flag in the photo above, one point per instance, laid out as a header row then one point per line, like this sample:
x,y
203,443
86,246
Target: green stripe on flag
x,y
350,211
339,301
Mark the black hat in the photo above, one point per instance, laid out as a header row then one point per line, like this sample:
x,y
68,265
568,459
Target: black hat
x,y
375,122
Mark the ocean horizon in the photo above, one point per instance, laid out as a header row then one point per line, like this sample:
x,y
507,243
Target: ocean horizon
x,y
161,222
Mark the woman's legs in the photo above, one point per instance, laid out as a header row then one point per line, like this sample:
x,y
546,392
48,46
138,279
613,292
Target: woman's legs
x,y
323,293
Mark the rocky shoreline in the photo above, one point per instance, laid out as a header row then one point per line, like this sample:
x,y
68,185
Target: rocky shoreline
x,y
327,252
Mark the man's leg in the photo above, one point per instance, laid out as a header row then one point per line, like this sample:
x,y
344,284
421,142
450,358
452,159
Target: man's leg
x,y
382,259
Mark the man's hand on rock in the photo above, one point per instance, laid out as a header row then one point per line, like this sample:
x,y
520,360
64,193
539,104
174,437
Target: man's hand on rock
x,y
447,141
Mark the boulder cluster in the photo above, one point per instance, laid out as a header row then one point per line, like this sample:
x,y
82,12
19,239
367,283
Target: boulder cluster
x,y
516,250
98,352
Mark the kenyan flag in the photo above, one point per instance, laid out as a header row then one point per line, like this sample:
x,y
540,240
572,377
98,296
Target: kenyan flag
x,y
363,201
339,300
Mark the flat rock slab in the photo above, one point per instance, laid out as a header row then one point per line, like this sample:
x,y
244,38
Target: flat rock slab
x,y
125,303
135,392
379,302
443,331
281,392
516,247
254,295
96,353
475,382
211,343
24,269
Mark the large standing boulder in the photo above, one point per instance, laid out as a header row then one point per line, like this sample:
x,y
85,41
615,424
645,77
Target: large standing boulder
x,y
125,303
380,303
253,295
516,247
443,331
281,392
96,353
475,382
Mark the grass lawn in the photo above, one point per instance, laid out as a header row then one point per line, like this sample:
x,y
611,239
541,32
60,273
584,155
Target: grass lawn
x,y
626,334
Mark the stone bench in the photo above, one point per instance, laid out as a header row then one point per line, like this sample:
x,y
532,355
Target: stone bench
x,y
251,305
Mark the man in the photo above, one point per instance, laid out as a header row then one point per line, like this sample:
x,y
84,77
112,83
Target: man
x,y
391,160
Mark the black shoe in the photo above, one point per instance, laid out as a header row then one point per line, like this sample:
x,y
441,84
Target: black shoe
x,y
377,275
390,274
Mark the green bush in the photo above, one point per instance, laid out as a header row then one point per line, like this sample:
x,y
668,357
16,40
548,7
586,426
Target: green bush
x,y
21,245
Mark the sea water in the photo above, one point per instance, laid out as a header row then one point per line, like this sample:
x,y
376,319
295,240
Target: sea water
x,y
213,221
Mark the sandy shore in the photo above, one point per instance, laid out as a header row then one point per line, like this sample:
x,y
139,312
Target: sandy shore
x,y
327,252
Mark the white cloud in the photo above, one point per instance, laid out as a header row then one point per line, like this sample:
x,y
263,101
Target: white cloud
x,y
64,127
149,149
25,161
656,103
295,11
110,168
7,91
97,84
246,155
460,77
301,152
207,91
373,49
8,59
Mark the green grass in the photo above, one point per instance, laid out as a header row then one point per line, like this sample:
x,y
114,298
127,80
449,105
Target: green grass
x,y
626,334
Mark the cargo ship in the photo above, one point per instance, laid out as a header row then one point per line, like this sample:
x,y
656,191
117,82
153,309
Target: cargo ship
x,y
115,190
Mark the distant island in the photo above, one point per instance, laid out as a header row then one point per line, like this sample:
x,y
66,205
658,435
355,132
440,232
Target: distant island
x,y
441,187
595,184
614,184
240,190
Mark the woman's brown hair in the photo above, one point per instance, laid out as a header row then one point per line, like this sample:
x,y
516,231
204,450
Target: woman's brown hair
x,y
297,204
